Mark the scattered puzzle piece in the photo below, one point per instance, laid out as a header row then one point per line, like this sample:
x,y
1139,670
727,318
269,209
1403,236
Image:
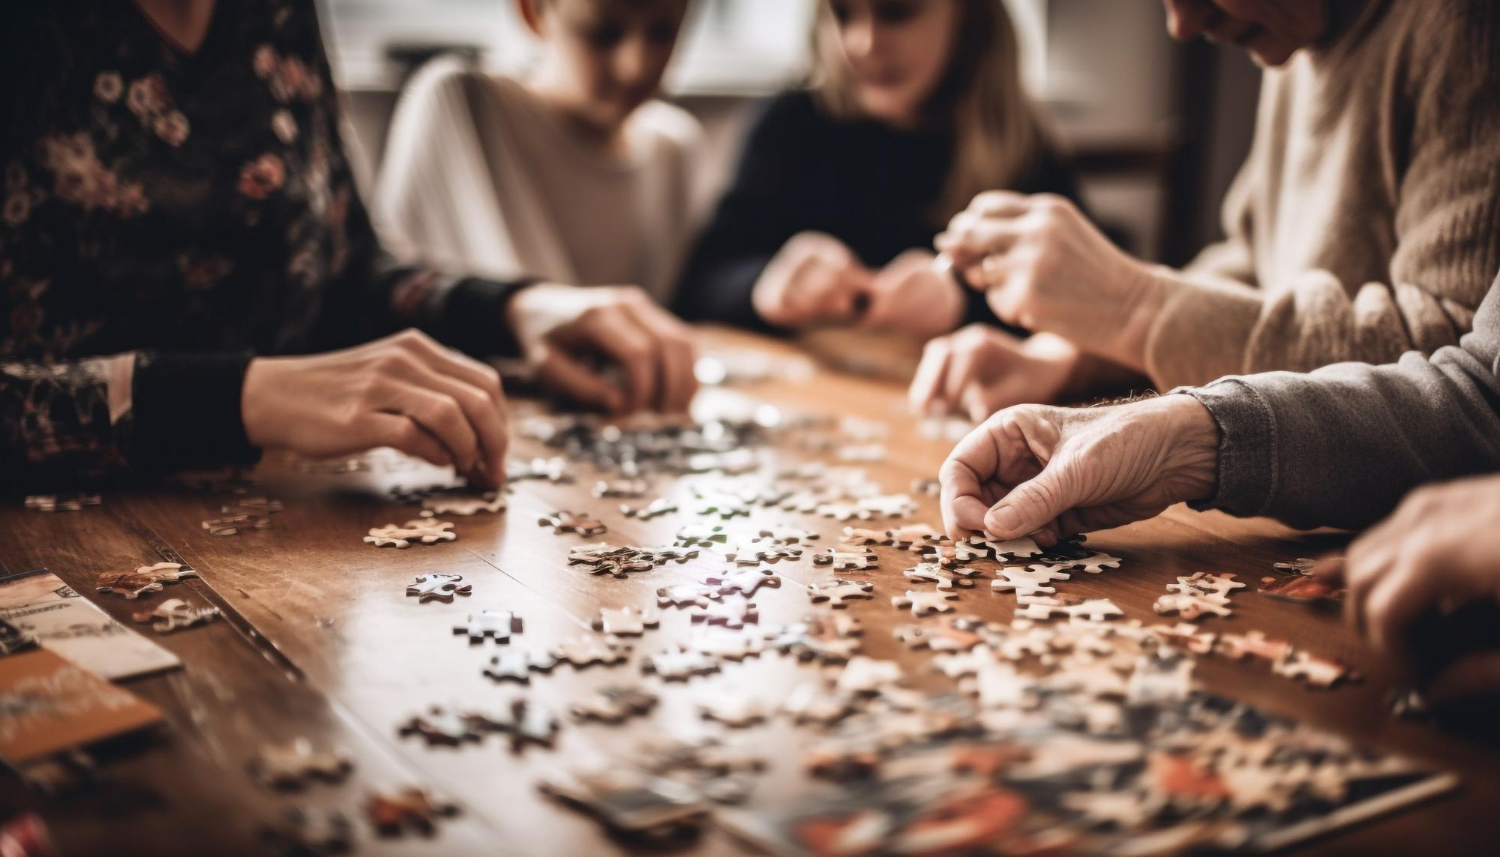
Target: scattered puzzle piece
x,y
946,579
572,522
744,582
626,621
847,560
144,580
734,710
427,531
628,800
700,535
1316,670
489,501
442,726
175,614
687,595
291,766
588,650
838,592
731,613
495,624
518,665
925,603
391,813
439,586
614,704
309,831
655,509
1031,580
679,664
867,676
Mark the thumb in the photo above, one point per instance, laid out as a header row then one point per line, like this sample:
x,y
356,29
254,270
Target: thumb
x,y
1031,505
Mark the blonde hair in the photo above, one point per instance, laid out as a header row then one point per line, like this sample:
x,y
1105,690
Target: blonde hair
x,y
999,134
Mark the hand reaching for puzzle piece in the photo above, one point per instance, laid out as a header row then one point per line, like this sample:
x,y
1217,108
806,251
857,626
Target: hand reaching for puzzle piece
x,y
1424,585
1049,472
404,391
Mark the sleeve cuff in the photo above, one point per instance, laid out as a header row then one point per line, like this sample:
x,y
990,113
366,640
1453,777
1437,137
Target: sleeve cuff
x,y
471,316
1246,474
1202,332
185,412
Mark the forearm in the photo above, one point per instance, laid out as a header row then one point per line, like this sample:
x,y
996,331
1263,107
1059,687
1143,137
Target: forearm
x,y
1342,445
135,411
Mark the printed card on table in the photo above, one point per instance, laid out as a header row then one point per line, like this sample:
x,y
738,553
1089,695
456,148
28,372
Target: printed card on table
x,y
40,605
48,705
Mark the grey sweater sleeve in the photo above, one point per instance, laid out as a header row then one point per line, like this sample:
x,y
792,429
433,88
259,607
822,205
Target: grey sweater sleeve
x,y
1342,445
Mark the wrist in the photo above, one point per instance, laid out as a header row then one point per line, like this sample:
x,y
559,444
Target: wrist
x,y
1144,293
1195,449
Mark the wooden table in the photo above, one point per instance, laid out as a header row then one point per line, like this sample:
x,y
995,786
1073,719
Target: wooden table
x,y
322,642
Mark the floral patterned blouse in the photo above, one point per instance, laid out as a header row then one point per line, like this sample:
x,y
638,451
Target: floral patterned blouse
x,y
166,215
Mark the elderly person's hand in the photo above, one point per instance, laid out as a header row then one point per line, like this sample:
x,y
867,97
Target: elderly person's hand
x,y
1045,267
1050,472
1439,551
564,332
981,369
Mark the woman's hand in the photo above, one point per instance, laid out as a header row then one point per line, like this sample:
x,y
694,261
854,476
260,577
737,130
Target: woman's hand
x,y
1046,267
981,369
404,391
1050,472
565,330
813,279
1438,551
910,297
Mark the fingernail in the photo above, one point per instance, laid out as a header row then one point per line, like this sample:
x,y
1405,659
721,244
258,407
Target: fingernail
x,y
1002,520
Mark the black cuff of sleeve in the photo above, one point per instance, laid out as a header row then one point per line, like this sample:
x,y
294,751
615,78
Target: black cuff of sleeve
x,y
473,317
185,412
1246,477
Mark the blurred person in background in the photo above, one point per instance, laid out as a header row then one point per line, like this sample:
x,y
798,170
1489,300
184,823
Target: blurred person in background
x,y
574,172
916,106
188,276
1363,224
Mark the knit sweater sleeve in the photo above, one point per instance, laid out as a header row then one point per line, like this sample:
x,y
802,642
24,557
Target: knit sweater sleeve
x,y
1342,445
1445,166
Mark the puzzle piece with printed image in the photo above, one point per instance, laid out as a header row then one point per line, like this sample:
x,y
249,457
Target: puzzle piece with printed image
x,y
424,531
438,586
839,591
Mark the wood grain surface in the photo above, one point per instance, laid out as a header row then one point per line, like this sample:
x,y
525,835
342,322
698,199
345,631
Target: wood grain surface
x,y
322,642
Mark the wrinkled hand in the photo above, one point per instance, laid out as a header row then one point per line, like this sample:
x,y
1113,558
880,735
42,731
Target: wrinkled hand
x,y
564,331
404,391
1050,472
1045,267
813,279
981,369
910,297
1438,551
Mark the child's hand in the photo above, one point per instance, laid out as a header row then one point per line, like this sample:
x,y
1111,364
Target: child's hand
x,y
909,296
814,279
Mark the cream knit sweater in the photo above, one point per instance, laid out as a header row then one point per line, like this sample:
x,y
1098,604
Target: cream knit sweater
x,y
1366,220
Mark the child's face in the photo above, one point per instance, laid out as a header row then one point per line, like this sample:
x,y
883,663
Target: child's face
x,y
897,51
607,56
